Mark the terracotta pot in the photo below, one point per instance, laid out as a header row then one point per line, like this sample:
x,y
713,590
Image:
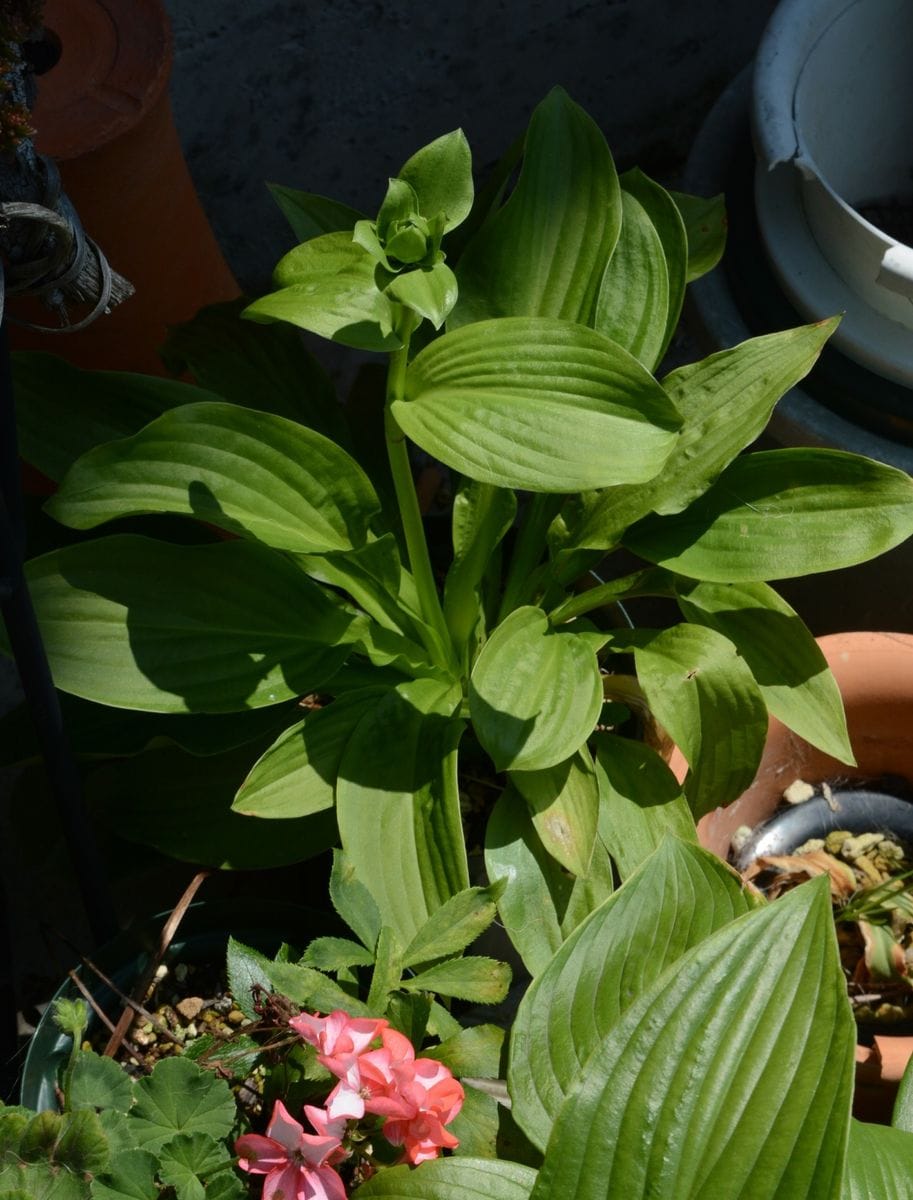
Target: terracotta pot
x,y
104,116
874,672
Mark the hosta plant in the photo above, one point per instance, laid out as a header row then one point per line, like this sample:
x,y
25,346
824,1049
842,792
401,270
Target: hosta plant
x,y
308,668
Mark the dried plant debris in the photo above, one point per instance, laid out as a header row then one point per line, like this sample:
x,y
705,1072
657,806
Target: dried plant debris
x,y
871,881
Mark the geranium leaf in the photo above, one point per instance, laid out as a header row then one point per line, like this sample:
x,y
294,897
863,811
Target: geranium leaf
x,y
478,980
248,472
777,514
455,925
786,661
537,403
186,1159
297,774
314,990
246,969
180,1097
703,693
353,901
99,1082
132,1177
522,667
145,624
614,957
735,1068
544,252
333,954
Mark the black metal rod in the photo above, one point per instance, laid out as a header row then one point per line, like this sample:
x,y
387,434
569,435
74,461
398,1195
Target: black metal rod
x,y
35,675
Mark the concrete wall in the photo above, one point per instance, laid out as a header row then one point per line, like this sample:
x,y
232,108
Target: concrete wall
x,y
333,95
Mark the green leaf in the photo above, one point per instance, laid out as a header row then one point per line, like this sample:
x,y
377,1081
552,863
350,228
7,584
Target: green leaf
x,y
180,1097
474,1051
313,990
71,1016
99,1082
640,802
632,307
544,252
429,291
63,411
82,1147
252,473
185,1159
564,802
523,666
264,367
726,401
786,661
902,1117
452,1179
388,969
537,403
310,215
397,788
476,1125
706,224
482,515
455,925
667,221
327,287
296,776
333,954
246,969
353,901
144,624
679,897
144,799
705,697
537,891
478,980
879,1163
441,177
783,513
132,1177
735,1070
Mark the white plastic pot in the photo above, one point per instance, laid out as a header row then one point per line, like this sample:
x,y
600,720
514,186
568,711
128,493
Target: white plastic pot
x,y
833,124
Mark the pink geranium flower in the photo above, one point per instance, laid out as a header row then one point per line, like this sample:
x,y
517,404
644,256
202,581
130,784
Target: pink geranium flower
x,y
422,1137
295,1163
339,1038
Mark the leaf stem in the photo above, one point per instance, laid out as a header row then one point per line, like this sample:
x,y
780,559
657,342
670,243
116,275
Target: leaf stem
x,y
437,646
649,582
528,548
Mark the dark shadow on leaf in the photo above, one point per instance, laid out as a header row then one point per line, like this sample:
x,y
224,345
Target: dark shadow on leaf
x,y
502,734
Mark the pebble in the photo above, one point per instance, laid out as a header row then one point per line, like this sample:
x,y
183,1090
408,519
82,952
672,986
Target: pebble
x,y
190,1007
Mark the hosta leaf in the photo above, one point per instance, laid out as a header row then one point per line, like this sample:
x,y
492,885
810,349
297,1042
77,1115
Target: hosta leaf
x,y
251,473
564,803
327,286
452,1179
524,665
144,799
537,892
735,1070
482,515
478,980
429,291
704,695
640,802
537,403
180,1097
544,252
667,220
633,303
786,661
297,774
782,513
397,788
705,223
726,401
455,925
264,367
144,624
440,174
99,1082
310,215
879,1163
681,895
63,411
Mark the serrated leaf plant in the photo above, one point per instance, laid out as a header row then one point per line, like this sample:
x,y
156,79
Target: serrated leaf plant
x,y
305,668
